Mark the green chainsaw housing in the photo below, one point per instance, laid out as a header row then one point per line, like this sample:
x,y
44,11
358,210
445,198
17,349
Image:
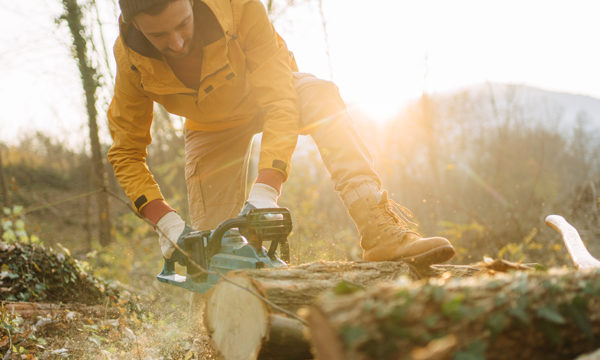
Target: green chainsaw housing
x,y
235,244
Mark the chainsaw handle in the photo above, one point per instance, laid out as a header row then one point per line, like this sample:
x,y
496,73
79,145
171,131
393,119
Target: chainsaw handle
x,y
215,237
244,221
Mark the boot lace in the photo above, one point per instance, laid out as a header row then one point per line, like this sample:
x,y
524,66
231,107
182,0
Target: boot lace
x,y
393,216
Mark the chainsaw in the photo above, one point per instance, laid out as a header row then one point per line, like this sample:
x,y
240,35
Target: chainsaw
x,y
234,245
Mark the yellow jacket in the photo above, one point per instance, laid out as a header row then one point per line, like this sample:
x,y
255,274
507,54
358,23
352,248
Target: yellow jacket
x,y
246,69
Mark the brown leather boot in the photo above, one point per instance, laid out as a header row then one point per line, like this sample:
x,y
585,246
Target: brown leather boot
x,y
385,236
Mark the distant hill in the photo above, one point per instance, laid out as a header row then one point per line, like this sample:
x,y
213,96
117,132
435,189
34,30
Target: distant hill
x,y
530,104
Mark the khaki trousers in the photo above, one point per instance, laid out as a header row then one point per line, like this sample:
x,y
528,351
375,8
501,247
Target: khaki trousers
x,y
217,162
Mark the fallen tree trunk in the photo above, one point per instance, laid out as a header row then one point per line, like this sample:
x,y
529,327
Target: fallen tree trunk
x,y
31,310
524,315
243,326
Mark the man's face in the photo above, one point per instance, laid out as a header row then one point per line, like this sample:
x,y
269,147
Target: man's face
x,y
171,31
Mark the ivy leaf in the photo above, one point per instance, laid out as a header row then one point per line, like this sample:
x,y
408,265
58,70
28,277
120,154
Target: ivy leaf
x,y
519,312
430,321
17,209
345,288
9,236
20,224
353,335
576,310
496,323
475,351
551,315
453,308
40,287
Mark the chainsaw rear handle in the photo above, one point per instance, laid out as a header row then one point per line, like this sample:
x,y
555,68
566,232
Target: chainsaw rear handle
x,y
225,226
258,220
254,220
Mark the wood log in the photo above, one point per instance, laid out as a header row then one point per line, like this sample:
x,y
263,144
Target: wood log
x,y
242,326
522,315
29,310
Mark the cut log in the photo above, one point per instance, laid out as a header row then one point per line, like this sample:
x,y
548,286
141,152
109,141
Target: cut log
x,y
523,315
242,326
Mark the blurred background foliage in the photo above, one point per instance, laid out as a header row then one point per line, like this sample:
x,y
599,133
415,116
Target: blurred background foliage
x,y
485,182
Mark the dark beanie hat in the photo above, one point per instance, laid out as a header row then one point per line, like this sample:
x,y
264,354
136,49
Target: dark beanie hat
x,y
130,8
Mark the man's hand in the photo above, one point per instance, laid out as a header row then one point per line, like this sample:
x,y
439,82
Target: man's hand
x,y
261,196
171,229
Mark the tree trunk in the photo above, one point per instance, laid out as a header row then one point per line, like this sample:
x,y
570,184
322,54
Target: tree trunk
x,y
243,326
431,139
87,211
4,185
524,315
73,16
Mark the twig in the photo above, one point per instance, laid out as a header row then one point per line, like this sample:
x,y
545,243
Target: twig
x,y
49,205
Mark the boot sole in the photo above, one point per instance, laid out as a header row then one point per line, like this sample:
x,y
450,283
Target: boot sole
x,y
431,257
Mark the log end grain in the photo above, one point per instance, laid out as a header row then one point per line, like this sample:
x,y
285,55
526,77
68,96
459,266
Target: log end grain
x,y
232,311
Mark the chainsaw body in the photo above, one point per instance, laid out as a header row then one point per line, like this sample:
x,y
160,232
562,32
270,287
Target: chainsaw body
x,y
234,245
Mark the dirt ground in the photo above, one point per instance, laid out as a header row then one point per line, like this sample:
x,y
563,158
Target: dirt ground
x,y
164,329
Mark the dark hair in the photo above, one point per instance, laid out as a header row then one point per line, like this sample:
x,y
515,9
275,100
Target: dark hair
x,y
157,8
130,8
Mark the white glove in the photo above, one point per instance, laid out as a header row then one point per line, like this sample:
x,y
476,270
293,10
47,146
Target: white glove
x,y
173,226
263,196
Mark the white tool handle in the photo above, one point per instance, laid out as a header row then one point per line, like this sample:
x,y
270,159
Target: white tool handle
x,y
582,259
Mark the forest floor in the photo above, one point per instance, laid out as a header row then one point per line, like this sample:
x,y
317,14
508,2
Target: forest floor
x,y
51,308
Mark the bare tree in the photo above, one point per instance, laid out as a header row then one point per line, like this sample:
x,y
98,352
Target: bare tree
x,y
73,16
3,184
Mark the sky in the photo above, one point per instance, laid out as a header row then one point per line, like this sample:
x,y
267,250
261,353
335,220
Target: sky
x,y
382,54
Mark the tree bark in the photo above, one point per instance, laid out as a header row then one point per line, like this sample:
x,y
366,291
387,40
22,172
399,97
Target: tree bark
x,y
524,315
243,326
73,16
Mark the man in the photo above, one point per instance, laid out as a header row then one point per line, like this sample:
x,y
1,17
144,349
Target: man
x,y
221,65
